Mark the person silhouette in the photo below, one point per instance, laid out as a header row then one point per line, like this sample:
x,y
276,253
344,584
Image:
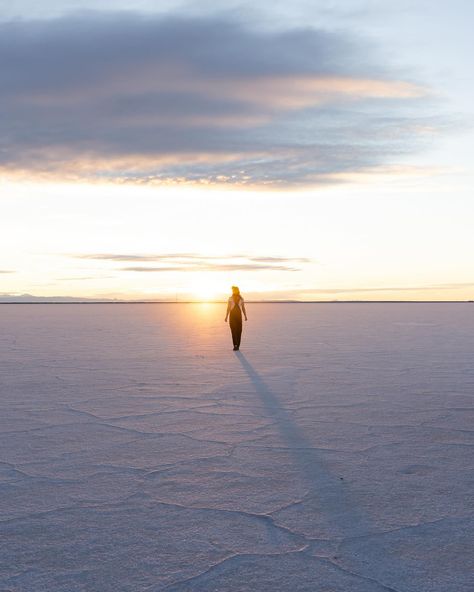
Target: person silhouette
x,y
235,308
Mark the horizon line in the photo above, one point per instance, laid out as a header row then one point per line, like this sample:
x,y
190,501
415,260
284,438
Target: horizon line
x,y
91,301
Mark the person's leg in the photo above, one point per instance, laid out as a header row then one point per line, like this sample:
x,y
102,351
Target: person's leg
x,y
238,334
236,326
233,329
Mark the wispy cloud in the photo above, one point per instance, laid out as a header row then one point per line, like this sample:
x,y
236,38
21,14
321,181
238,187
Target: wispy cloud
x,y
83,278
215,267
433,287
182,256
148,257
7,271
197,262
170,99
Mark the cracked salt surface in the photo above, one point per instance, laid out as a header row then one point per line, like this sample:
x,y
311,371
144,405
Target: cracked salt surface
x,y
335,452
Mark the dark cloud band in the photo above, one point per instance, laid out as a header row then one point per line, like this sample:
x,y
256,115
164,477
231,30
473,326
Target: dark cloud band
x,y
200,100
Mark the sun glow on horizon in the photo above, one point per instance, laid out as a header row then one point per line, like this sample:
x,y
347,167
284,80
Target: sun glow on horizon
x,y
207,289
155,243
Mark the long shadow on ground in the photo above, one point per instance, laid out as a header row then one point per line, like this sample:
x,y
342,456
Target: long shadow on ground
x,y
329,490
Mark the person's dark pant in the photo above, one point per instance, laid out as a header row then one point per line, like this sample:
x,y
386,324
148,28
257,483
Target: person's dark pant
x,y
236,325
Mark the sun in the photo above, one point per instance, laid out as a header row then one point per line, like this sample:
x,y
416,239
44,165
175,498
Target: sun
x,y
207,291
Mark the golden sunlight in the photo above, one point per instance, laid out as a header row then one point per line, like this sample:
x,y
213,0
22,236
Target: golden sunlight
x,y
207,290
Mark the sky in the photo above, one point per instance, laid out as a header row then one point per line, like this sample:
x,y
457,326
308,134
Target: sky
x,y
318,151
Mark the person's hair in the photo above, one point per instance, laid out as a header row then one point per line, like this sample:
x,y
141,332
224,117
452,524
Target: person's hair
x,y
236,294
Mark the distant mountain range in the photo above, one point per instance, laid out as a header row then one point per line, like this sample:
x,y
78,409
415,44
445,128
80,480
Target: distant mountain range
x,y
18,298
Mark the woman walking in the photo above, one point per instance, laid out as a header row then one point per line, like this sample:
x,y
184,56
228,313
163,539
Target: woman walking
x,y
235,308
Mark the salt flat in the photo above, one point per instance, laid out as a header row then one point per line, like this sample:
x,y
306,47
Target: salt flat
x,y
333,453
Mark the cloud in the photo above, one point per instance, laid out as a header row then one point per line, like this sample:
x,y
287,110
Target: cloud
x,y
151,257
215,267
196,262
182,257
92,277
7,271
170,99
434,287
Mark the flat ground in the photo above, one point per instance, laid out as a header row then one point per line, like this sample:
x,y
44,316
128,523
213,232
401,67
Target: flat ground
x,y
333,454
